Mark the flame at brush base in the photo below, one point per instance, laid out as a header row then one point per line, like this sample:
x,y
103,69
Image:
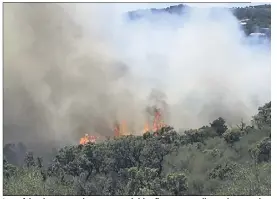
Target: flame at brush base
x,y
121,129
157,123
87,139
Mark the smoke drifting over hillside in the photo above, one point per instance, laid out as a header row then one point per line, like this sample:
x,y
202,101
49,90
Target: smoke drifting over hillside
x,y
76,68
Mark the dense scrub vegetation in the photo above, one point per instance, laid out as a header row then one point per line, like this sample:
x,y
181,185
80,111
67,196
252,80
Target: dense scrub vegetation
x,y
256,17
211,160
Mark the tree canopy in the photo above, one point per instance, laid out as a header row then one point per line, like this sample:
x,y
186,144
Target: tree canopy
x,y
211,160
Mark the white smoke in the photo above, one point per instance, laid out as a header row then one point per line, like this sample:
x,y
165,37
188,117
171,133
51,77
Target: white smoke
x,y
71,68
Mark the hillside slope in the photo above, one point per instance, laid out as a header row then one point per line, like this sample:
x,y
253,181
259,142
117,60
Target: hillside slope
x,y
212,160
256,16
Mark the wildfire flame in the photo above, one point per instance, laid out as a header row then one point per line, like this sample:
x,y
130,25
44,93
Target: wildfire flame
x,y
87,139
146,128
121,129
157,123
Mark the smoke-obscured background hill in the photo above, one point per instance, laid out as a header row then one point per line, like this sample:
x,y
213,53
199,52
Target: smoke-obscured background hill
x,y
252,18
71,69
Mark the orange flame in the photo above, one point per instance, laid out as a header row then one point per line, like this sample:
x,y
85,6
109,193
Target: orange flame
x,y
146,128
121,129
87,139
157,123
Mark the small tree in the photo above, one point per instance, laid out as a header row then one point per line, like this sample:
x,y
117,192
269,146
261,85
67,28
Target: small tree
x,y
219,126
261,151
176,183
232,136
29,160
263,118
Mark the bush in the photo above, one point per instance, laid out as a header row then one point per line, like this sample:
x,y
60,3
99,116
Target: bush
x,y
232,136
219,126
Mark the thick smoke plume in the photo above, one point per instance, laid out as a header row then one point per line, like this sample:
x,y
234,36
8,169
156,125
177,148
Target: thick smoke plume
x,y
71,69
